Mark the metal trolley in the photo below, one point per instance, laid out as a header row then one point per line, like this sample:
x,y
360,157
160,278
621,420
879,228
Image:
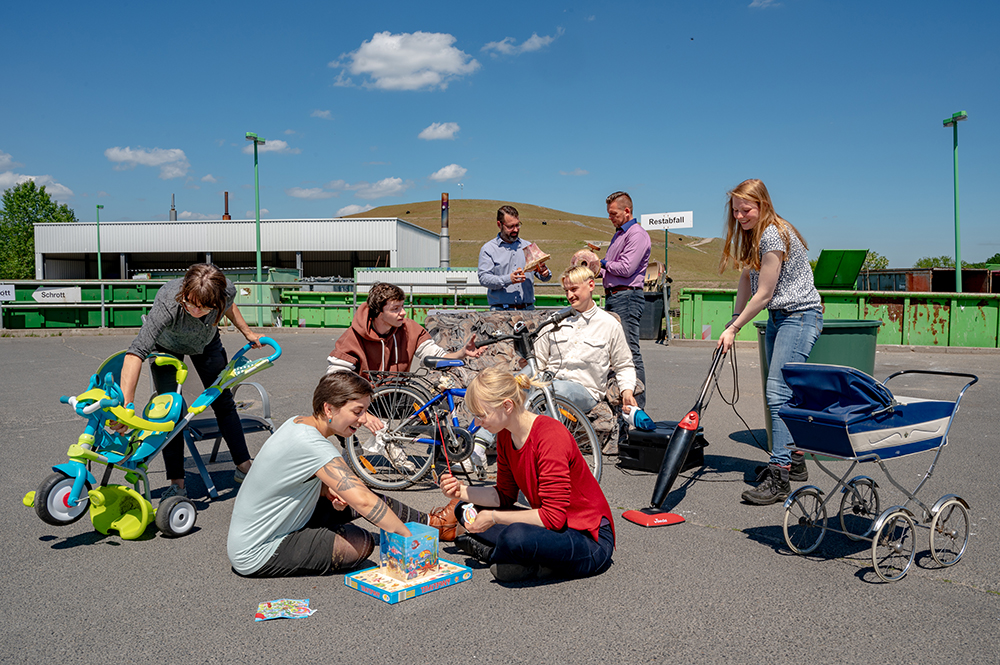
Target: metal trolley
x,y
844,414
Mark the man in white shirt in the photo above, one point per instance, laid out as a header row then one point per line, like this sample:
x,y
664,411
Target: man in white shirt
x,y
585,347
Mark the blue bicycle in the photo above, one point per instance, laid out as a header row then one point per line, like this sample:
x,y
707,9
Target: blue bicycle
x,y
420,416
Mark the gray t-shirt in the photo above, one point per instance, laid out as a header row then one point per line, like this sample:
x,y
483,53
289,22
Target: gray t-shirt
x,y
169,325
795,290
279,494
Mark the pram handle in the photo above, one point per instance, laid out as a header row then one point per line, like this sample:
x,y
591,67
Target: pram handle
x,y
975,379
263,341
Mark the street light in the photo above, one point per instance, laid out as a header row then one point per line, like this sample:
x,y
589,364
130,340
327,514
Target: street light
x,y
100,276
256,187
953,123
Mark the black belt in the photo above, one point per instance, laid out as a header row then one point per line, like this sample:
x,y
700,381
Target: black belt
x,y
619,289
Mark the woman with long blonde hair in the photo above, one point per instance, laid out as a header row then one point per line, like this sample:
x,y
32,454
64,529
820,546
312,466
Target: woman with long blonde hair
x,y
775,275
568,531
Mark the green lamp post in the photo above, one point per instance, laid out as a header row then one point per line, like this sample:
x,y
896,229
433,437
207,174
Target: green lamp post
x,y
953,123
256,187
100,275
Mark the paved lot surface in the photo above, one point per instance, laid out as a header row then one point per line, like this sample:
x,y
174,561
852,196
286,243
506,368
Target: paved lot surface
x,y
721,587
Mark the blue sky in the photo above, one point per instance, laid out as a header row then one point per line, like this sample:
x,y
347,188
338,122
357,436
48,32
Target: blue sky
x,y
837,106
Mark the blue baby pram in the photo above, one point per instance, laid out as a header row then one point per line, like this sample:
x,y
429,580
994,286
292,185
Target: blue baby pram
x,y
842,413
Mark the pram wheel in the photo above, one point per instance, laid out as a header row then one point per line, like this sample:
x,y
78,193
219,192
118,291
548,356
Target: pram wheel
x,y
176,516
950,532
859,507
893,547
805,520
51,500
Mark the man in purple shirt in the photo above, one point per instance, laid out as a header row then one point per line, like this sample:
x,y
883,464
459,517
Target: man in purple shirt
x,y
623,270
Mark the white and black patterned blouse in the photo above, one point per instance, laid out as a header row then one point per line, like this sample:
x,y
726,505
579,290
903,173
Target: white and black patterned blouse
x,y
795,290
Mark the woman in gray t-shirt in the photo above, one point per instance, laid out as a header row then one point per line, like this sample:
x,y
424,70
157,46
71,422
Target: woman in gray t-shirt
x,y
775,275
184,321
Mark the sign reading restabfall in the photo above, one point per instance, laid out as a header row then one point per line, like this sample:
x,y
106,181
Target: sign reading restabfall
x,y
667,221
57,294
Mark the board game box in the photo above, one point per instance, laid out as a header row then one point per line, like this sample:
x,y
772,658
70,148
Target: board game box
x,y
375,582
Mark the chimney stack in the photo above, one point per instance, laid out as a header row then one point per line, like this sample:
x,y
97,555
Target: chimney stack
x,y
226,215
173,210
445,248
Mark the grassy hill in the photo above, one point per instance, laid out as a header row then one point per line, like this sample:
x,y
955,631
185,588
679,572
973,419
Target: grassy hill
x,y
693,261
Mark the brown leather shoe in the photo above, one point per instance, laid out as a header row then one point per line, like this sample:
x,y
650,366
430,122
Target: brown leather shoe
x,y
444,520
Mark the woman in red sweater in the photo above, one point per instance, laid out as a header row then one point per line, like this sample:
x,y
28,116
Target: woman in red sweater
x,y
569,530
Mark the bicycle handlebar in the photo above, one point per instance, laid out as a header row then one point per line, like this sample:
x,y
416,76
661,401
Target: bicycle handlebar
x,y
552,319
263,341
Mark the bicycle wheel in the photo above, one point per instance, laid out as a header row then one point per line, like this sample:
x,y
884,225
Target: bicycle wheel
x,y
394,458
579,426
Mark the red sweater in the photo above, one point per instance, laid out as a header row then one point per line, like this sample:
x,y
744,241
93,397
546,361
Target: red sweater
x,y
554,477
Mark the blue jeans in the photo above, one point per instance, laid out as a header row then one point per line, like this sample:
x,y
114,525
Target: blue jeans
x,y
570,553
628,305
788,339
572,391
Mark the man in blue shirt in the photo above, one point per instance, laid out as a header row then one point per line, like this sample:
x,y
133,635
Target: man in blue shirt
x,y
501,266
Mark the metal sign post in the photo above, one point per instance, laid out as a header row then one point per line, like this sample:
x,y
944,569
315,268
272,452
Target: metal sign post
x,y
667,221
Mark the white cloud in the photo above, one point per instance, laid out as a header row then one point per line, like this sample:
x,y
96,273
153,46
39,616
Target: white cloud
x,y
407,61
56,190
271,145
251,214
7,162
208,178
353,209
195,215
173,162
289,132
439,130
325,115
450,172
577,171
380,189
508,46
312,193
763,4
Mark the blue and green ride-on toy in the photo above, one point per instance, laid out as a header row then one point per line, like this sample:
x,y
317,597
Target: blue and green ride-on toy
x,y
65,495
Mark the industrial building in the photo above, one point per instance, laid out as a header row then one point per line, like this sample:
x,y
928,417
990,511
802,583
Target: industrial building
x,y
314,247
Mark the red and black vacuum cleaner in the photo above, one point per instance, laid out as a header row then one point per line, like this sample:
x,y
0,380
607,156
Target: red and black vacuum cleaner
x,y
676,454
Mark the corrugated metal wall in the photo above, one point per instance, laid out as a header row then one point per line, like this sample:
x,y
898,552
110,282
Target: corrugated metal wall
x,y
329,246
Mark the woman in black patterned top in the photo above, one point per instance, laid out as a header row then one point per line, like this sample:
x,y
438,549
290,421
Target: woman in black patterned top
x,y
776,275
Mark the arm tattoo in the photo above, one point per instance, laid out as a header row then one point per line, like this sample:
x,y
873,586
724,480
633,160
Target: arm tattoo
x,y
343,478
377,513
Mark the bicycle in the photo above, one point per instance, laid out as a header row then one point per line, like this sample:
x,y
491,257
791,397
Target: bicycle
x,y
419,416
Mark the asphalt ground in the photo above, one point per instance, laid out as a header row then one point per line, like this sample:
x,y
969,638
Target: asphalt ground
x,y
723,586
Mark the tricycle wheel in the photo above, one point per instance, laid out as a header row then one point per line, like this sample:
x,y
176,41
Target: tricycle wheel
x,y
176,516
859,507
805,521
893,547
950,532
52,500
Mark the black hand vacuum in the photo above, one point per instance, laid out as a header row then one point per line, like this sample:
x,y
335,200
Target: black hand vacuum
x,y
676,454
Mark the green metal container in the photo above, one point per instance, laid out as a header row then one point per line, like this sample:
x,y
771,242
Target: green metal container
x,y
842,342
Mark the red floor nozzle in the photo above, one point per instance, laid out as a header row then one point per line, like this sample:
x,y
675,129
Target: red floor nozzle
x,y
649,517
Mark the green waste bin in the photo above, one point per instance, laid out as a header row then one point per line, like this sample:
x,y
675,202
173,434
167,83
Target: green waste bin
x,y
845,342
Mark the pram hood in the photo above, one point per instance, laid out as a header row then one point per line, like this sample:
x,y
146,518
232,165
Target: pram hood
x,y
835,389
